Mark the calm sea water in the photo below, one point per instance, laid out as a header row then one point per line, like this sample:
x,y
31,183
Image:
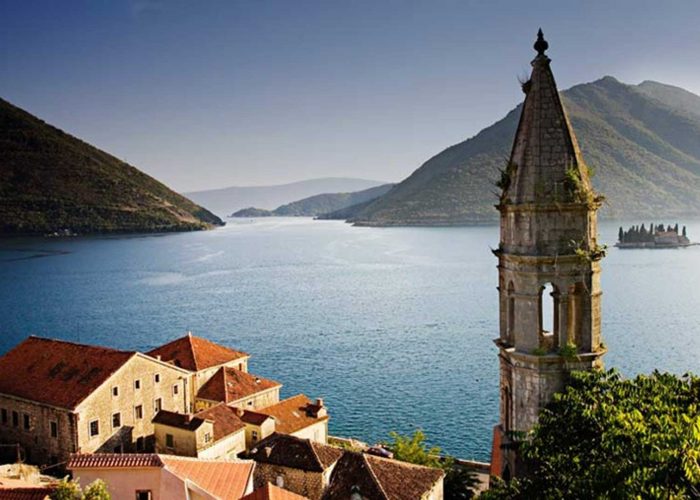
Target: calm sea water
x,y
392,327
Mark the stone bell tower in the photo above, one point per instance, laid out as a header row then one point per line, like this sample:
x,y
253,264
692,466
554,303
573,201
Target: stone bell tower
x,y
548,265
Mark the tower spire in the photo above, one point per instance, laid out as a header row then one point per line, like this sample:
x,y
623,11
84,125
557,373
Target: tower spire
x,y
541,44
548,269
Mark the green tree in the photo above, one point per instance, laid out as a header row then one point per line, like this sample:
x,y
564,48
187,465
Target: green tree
x,y
608,437
460,482
68,489
97,490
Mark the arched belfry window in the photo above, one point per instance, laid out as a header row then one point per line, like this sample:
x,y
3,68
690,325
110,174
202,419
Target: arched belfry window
x,y
549,310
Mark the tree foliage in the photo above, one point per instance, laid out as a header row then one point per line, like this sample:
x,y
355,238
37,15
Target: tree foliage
x,y
69,489
608,437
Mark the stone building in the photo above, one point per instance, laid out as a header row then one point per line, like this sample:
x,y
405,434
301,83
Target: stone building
x,y
216,433
548,264
201,357
237,388
59,397
319,472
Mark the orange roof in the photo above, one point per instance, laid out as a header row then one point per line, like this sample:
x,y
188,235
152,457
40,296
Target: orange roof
x,y
56,372
230,384
225,479
195,353
294,414
272,492
225,419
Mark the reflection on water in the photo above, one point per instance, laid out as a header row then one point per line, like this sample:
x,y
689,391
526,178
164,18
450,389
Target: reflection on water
x,y
392,326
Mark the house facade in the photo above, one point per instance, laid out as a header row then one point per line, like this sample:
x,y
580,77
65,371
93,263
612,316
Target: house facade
x,y
59,397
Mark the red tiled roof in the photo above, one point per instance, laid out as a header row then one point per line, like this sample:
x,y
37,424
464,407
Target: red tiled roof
x,y
272,492
380,478
293,414
225,419
254,417
229,385
296,453
56,372
195,353
222,479
113,461
179,420
29,493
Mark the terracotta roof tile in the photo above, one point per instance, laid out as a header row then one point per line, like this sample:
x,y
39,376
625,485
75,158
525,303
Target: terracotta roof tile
x,y
225,419
222,479
113,461
179,420
229,385
56,372
296,453
272,492
29,493
195,353
294,414
254,417
380,478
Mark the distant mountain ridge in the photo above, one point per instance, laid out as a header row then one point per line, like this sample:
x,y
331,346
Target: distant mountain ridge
x,y
224,201
317,205
642,141
52,182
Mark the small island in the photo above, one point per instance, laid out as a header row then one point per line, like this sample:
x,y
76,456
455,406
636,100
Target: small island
x,y
657,236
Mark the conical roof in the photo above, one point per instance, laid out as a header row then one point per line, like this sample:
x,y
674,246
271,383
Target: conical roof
x,y
545,164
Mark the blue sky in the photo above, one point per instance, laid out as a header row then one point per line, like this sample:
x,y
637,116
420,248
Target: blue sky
x,y
204,94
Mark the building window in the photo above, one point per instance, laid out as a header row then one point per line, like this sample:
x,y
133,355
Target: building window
x,y
15,419
176,390
137,384
115,391
138,412
116,420
94,428
254,435
143,495
156,378
3,413
207,437
27,423
157,405
169,441
54,429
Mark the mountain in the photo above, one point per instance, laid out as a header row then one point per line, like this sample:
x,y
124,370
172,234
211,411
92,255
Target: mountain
x,y
642,142
227,200
53,182
317,205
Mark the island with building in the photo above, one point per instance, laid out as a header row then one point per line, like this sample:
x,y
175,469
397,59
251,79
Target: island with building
x,y
657,236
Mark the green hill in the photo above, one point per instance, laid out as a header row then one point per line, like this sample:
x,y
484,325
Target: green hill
x,y
317,205
53,182
643,143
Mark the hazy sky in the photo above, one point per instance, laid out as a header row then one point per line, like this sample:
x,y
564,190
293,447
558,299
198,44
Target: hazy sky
x,y
204,94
